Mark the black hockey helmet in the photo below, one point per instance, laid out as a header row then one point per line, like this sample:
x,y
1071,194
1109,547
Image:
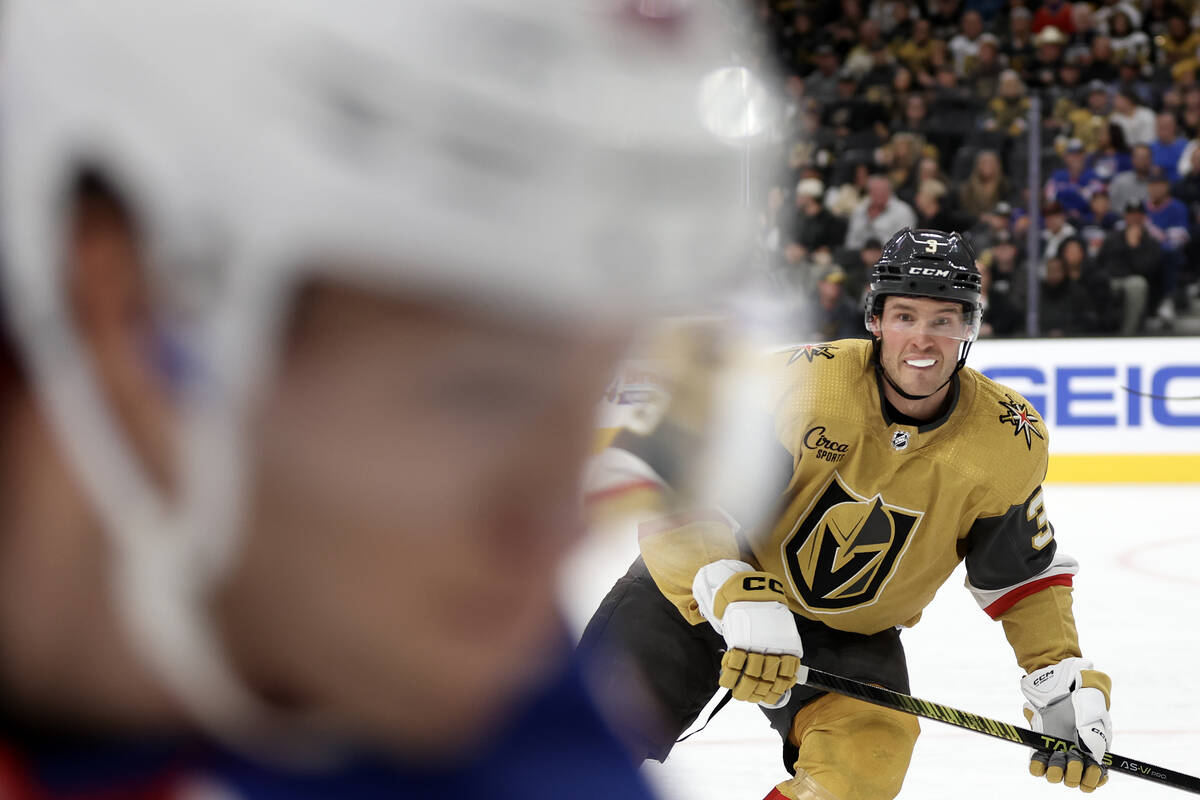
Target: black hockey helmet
x,y
926,263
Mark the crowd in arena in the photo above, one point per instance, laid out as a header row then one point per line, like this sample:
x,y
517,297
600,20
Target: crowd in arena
x,y
917,113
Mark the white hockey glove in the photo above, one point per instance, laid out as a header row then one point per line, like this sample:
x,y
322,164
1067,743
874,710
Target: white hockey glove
x,y
750,610
1070,700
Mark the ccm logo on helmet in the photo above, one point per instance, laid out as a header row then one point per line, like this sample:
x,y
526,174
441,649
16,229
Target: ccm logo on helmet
x,y
931,271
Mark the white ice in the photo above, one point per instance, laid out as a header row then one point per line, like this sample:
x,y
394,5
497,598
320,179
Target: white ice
x,y
1137,602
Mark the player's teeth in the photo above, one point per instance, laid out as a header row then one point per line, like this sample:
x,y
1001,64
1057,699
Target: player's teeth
x,y
919,362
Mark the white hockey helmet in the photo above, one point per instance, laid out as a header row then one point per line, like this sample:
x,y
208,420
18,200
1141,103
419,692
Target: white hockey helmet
x,y
544,158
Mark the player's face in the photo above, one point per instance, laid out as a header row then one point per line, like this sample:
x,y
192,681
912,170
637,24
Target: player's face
x,y
920,348
416,486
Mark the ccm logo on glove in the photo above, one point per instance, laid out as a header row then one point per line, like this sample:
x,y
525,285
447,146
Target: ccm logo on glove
x,y
757,583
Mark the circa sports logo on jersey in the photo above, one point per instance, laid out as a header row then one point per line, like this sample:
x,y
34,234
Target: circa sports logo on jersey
x,y
846,547
826,448
811,351
1022,418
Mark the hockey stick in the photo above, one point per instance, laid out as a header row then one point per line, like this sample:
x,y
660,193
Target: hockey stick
x,y
973,722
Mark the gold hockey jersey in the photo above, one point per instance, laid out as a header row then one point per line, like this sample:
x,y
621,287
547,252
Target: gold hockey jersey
x,y
878,513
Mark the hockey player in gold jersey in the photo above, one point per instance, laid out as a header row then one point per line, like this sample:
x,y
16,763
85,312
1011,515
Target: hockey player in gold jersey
x,y
903,463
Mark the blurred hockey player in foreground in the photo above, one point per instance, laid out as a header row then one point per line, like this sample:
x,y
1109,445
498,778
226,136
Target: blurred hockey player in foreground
x,y
310,305
904,462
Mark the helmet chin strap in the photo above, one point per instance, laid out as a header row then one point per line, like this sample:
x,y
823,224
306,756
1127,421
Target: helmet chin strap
x,y
962,360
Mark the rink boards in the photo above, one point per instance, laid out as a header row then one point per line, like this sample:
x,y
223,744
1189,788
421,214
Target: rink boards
x,y
1118,410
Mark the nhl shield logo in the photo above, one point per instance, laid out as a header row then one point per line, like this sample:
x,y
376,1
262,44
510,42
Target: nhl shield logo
x,y
846,547
900,440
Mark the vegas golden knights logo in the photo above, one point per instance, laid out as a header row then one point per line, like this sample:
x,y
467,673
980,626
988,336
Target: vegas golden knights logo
x,y
846,547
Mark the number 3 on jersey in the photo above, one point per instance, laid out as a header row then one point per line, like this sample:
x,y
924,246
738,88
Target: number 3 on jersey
x,y
1035,512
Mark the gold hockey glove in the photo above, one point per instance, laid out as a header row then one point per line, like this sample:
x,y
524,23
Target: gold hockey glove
x,y
749,608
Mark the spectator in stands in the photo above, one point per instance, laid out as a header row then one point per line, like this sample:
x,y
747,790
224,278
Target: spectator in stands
x,y
930,212
894,96
947,90
928,169
1017,44
901,156
876,84
939,60
1188,187
1132,261
1168,146
861,57
983,78
983,234
944,16
1189,115
1066,308
1132,185
1001,315
1136,120
1170,101
1111,155
843,27
1056,14
964,47
985,186
1099,102
916,53
879,215
1157,14
850,117
813,227
1073,185
1007,112
1100,221
1081,269
992,10
842,199
1101,16
1056,231
1103,65
1009,275
1068,91
821,83
1130,78
1050,42
895,18
1086,113
1128,43
832,314
915,118
797,43
810,144
1167,222
1083,24
858,265
1180,43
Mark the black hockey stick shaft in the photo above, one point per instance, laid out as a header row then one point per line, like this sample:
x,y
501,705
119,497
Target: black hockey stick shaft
x,y
1000,730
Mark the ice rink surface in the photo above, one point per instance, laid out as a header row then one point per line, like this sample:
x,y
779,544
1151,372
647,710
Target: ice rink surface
x,y
1137,605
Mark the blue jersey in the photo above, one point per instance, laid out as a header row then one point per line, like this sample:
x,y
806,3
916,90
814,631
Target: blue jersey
x,y
1073,193
1168,223
556,747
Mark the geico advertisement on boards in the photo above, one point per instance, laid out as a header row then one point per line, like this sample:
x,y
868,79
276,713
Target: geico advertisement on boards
x,y
1104,395
1095,395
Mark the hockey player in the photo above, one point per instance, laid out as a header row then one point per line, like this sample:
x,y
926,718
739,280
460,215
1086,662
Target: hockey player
x,y
904,462
308,309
